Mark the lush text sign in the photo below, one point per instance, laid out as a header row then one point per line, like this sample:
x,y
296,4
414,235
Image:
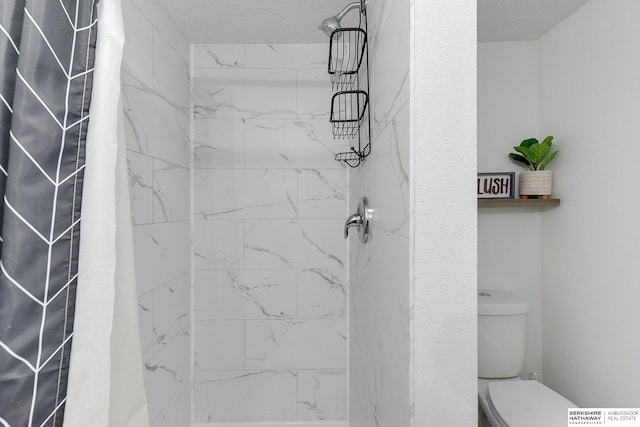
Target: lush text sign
x,y
498,185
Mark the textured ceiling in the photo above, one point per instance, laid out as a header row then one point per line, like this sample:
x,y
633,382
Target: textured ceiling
x,y
516,20
296,21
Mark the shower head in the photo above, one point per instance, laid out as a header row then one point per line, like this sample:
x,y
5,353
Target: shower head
x,y
329,25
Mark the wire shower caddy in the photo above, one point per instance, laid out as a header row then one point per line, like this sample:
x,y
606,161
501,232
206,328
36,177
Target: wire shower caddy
x,y
348,69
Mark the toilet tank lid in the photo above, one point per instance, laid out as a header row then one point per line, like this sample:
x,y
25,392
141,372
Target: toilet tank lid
x,y
500,303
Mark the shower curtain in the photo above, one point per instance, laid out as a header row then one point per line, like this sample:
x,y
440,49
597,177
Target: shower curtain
x,y
64,279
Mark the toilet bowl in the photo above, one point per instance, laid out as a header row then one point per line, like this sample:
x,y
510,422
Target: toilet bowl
x,y
505,399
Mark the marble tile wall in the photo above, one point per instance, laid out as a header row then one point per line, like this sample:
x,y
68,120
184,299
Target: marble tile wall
x,y
270,260
380,305
157,102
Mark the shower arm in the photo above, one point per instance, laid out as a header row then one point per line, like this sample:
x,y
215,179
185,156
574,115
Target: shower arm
x,y
356,4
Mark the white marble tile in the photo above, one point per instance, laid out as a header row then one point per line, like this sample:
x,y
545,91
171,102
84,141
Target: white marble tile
x,y
321,193
379,389
171,309
145,323
161,253
295,143
295,344
166,373
219,345
218,143
244,93
170,192
137,58
153,125
219,244
245,193
365,364
322,294
314,94
170,73
377,17
177,413
140,170
162,22
306,243
361,411
322,395
379,330
380,297
379,289
390,67
245,294
255,108
357,186
245,396
291,56
386,176
219,55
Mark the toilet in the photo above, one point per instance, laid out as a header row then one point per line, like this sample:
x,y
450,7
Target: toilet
x,y
505,399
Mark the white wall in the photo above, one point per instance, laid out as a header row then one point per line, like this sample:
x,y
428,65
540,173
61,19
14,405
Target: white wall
x,y
270,261
444,226
380,393
590,100
509,240
157,104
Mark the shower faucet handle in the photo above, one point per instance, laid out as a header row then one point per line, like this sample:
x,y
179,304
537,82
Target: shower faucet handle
x,y
354,220
360,219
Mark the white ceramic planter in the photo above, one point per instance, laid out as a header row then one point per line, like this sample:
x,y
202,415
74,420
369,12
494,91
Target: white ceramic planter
x,y
535,184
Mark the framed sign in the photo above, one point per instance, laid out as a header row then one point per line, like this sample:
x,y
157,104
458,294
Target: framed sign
x,y
496,185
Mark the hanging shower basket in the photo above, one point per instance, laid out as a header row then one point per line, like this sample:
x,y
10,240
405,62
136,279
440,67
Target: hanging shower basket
x,y
346,52
354,157
348,69
347,112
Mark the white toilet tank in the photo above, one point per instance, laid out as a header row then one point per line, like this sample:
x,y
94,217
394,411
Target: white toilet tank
x,y
502,328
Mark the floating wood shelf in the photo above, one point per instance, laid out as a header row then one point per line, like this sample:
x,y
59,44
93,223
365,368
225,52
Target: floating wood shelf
x,y
518,203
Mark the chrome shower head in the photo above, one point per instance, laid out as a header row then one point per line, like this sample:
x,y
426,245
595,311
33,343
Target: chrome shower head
x,y
329,25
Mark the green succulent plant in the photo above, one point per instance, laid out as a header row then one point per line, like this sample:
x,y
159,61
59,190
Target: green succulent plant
x,y
534,155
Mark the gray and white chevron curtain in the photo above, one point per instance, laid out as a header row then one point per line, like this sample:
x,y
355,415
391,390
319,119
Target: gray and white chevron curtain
x,y
47,49
62,174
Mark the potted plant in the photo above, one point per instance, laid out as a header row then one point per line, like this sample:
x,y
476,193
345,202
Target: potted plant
x,y
535,156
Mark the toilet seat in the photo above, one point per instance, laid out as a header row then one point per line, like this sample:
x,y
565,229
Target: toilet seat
x,y
527,404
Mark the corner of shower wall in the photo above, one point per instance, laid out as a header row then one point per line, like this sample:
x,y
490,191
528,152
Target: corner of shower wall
x,y
381,286
157,106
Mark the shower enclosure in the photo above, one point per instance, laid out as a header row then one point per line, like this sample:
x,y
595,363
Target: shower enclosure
x,y
253,307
